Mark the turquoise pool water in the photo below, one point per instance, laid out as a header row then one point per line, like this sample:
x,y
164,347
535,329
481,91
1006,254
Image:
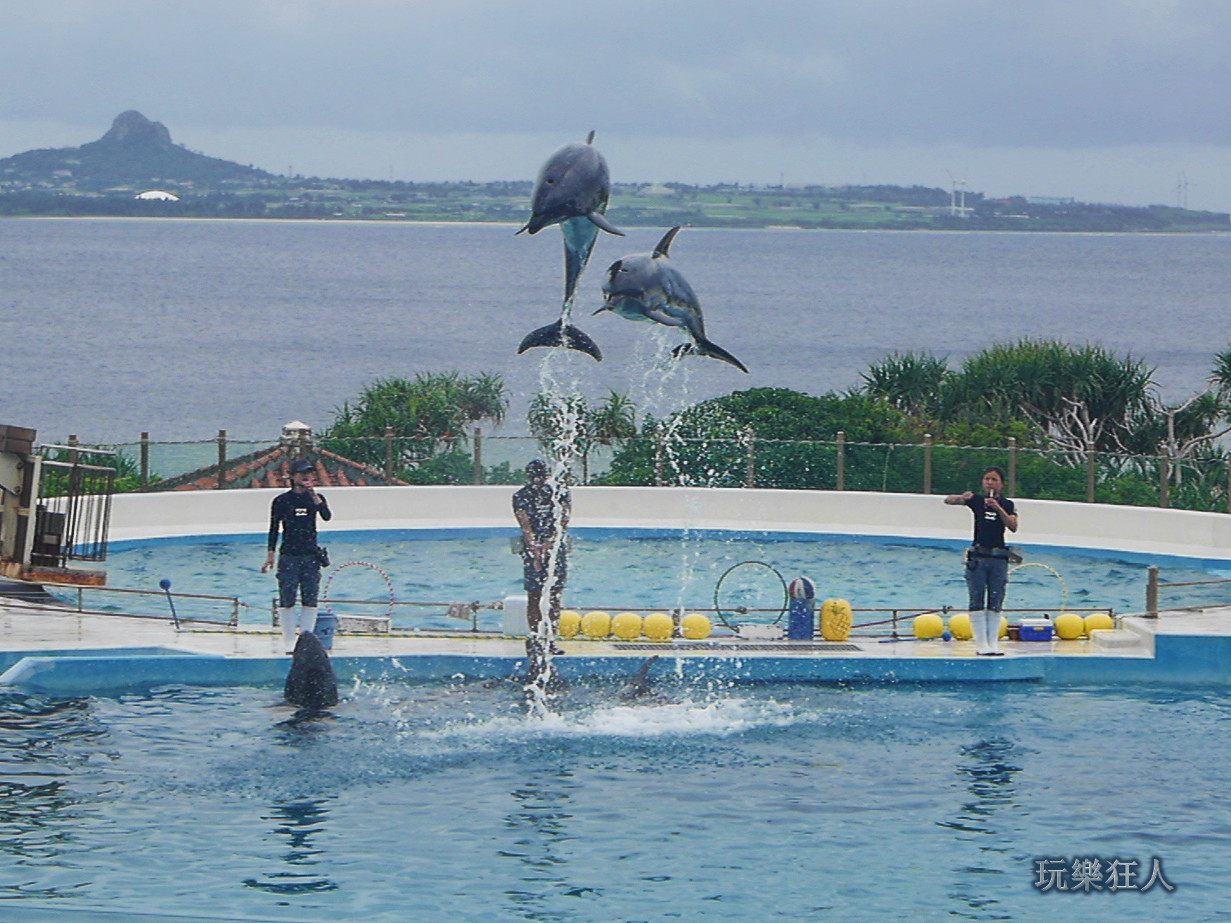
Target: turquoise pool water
x,y
780,802
618,569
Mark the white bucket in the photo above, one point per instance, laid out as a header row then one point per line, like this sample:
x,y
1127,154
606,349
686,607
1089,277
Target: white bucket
x,y
515,616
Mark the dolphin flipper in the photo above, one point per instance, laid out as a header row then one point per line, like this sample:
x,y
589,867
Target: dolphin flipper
x,y
704,347
602,222
561,334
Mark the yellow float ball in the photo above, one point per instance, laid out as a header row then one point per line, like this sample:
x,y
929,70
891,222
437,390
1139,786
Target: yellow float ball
x,y
658,626
959,626
835,619
929,625
570,624
626,626
695,626
1004,628
1096,621
1069,626
596,624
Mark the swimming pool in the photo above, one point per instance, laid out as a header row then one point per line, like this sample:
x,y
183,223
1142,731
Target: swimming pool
x,y
775,802
625,568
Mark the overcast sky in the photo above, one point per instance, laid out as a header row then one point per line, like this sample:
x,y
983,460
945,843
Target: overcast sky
x,y
1122,101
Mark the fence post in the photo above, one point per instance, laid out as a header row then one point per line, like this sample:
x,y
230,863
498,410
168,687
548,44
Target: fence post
x,y
145,460
1012,466
842,461
478,455
750,463
388,454
658,455
927,463
222,458
1089,472
1152,592
1164,481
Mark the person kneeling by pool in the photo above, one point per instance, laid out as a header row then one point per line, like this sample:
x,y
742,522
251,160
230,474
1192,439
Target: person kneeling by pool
x,y
987,559
299,563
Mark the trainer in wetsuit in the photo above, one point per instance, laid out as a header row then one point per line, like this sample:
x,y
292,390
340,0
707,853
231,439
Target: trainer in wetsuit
x,y
299,570
535,508
987,559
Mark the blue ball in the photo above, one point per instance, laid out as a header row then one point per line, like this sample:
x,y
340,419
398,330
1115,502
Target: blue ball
x,y
165,583
945,636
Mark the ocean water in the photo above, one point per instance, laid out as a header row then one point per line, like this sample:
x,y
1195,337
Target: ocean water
x,y
113,327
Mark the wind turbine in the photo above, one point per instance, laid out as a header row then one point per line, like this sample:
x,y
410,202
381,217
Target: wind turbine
x,y
957,209
1181,191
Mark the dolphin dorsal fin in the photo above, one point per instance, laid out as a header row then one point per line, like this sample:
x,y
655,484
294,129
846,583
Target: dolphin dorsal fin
x,y
590,137
661,249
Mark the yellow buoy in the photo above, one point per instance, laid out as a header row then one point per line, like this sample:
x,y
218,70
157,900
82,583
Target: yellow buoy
x,y
695,626
1004,628
570,624
929,625
959,626
626,626
596,624
835,619
658,626
1069,626
1096,621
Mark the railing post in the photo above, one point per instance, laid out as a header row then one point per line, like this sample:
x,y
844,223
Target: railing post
x,y
658,455
1152,592
1164,481
1012,466
478,455
222,458
750,463
145,460
927,463
1089,472
388,454
842,460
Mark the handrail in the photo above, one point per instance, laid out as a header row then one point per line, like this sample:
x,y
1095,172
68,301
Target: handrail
x,y
1153,585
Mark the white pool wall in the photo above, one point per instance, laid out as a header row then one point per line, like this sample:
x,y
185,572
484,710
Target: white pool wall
x,y
1143,530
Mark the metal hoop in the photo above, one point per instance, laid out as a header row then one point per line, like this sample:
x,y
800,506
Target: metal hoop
x,y
342,567
718,586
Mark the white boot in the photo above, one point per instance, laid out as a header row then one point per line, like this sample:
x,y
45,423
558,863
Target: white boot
x,y
993,632
286,618
307,619
978,627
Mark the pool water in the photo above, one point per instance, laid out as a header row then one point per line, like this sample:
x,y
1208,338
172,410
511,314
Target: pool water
x,y
614,570
776,802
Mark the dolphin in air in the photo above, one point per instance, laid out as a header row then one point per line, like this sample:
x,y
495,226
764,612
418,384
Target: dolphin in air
x,y
310,684
572,190
645,286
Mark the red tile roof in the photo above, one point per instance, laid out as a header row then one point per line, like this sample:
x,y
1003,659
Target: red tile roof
x,y
270,468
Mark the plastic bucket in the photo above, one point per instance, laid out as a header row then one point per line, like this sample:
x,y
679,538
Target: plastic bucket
x,y
326,625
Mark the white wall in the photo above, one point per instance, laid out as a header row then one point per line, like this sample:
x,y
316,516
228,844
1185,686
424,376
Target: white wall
x,y
1043,522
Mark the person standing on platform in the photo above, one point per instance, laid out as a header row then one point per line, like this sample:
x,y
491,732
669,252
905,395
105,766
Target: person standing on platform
x,y
987,559
299,565
543,550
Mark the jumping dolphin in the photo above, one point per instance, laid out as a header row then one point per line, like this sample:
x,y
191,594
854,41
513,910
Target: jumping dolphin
x,y
310,684
572,190
645,286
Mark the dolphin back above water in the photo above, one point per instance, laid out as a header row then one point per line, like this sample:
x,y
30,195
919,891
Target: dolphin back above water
x,y
572,190
310,684
647,287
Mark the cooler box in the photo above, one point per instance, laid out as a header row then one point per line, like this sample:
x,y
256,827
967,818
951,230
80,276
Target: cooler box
x,y
1034,630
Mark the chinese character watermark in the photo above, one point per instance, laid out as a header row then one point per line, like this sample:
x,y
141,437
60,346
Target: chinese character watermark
x,y
1095,873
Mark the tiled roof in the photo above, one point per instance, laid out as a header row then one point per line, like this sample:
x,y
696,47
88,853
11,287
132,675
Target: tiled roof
x,y
269,468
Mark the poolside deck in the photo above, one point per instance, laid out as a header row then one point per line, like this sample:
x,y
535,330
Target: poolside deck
x,y
52,651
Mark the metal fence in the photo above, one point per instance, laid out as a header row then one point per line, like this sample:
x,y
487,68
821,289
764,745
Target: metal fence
x,y
743,461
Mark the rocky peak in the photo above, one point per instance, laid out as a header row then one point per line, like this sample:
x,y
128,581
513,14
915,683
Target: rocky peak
x,y
131,128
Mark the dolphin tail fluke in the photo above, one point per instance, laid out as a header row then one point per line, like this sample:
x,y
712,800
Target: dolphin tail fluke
x,y
561,334
600,221
704,347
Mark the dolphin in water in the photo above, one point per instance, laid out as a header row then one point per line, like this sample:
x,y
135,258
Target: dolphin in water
x,y
310,684
638,686
572,190
645,286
